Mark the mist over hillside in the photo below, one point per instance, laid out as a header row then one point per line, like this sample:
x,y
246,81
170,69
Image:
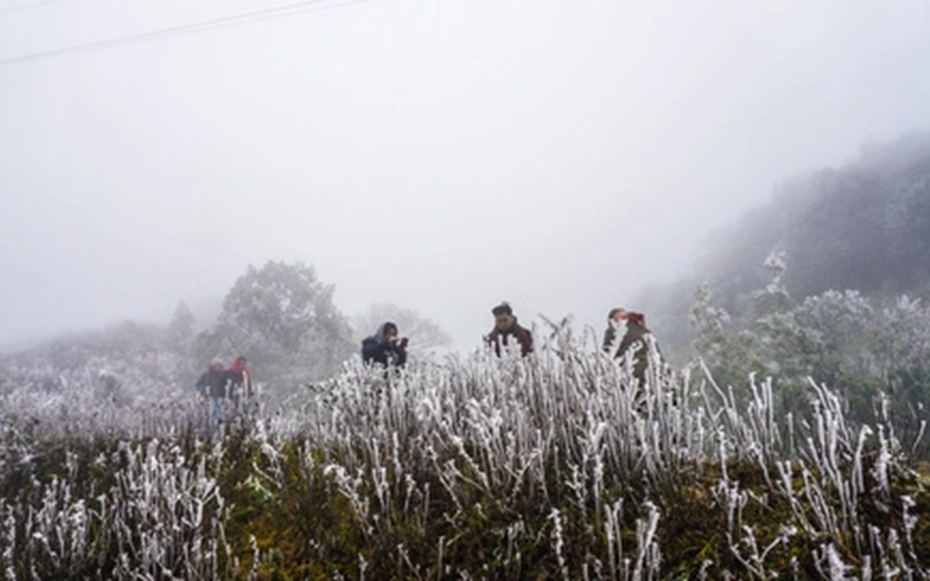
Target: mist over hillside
x,y
864,226
210,211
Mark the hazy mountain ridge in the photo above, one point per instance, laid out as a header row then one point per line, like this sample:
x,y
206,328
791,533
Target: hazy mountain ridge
x,y
864,227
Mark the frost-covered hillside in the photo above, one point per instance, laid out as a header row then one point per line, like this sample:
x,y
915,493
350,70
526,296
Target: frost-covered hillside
x,y
552,466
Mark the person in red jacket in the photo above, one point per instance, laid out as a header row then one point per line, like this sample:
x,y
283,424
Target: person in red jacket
x,y
506,328
238,381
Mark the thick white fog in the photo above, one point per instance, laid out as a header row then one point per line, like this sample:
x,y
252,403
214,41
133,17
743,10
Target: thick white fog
x,y
441,155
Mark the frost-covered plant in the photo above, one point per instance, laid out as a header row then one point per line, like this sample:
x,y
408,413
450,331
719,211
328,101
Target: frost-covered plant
x,y
862,348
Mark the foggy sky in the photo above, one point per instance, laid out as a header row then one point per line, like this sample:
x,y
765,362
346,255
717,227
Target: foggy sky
x,y
441,155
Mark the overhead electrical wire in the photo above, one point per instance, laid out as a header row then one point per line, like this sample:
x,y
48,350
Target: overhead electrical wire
x,y
22,7
187,29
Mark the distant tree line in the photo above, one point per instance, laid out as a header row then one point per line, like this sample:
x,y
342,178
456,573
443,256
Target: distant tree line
x,y
284,319
281,316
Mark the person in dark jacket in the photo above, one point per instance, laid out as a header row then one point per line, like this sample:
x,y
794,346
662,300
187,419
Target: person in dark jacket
x,y
385,347
109,386
506,328
212,387
212,381
636,340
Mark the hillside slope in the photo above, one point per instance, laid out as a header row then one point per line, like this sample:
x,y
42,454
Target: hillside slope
x,y
864,226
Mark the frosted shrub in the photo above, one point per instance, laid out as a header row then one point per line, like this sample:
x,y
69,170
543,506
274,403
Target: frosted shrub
x,y
462,467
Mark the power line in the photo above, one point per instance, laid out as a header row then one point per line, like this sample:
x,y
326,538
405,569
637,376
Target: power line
x,y
185,29
28,6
